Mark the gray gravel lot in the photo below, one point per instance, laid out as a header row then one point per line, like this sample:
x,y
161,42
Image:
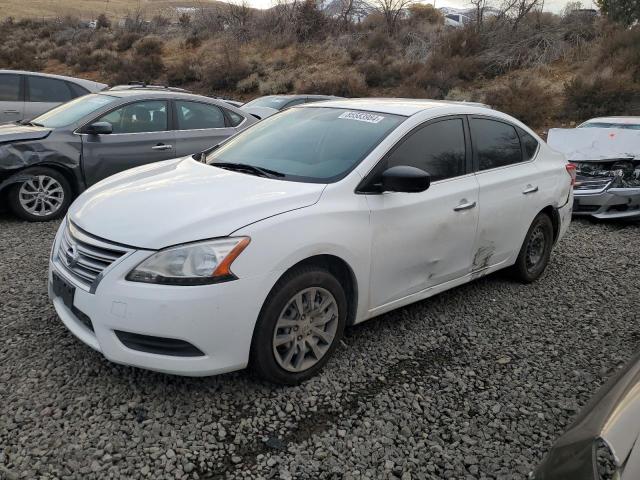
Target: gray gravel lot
x,y
474,383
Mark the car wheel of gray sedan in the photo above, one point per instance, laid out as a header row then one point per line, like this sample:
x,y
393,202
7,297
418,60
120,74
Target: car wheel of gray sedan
x,y
45,196
299,327
535,251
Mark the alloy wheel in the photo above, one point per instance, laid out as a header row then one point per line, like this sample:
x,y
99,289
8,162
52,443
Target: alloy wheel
x,y
41,196
305,330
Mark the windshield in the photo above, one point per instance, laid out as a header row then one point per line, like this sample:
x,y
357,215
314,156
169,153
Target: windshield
x,y
629,126
271,102
308,144
72,111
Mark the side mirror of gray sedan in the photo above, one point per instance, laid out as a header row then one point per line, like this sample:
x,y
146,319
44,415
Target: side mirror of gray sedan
x,y
403,178
99,128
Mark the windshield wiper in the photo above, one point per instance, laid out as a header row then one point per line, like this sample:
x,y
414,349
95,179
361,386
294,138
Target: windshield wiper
x,y
251,169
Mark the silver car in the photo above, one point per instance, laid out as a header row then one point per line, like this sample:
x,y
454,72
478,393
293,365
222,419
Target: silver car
x,y
25,95
263,107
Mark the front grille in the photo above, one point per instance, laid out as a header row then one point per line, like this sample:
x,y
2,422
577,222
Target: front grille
x,y
577,208
86,257
592,183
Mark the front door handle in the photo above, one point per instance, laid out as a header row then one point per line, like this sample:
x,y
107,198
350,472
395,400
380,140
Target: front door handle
x,y
465,206
12,111
162,146
530,189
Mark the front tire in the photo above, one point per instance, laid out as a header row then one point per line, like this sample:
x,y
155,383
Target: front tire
x,y
535,251
45,196
299,326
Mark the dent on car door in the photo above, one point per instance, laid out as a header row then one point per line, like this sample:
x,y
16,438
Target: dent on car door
x,y
199,126
43,93
509,187
424,239
140,135
11,98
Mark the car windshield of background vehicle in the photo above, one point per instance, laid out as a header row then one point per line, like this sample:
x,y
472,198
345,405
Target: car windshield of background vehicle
x,y
70,112
318,145
271,102
629,126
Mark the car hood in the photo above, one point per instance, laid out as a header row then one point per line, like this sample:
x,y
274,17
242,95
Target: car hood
x,y
182,200
13,132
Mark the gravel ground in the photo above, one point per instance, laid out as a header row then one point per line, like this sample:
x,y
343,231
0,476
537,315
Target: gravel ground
x,y
474,383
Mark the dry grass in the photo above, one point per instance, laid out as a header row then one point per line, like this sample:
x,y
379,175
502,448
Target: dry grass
x,y
90,9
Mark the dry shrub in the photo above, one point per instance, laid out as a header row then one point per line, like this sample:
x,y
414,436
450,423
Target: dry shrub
x,y
526,99
224,69
249,84
126,41
183,72
385,75
601,94
620,49
279,83
343,84
148,46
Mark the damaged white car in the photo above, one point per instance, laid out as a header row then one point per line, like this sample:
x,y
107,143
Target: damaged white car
x,y
607,164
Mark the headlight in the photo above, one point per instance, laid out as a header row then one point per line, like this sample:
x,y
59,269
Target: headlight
x,y
192,264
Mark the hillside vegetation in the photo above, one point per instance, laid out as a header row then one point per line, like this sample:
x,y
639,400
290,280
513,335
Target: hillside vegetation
x,y
540,67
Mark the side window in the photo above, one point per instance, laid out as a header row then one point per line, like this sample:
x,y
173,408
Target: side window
x,y
193,116
149,116
529,144
438,149
77,90
497,143
42,89
9,87
236,119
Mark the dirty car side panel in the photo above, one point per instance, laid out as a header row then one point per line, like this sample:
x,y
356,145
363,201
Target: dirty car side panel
x,y
59,149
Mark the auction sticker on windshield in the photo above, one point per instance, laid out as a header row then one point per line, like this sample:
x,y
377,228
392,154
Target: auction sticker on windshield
x,y
362,117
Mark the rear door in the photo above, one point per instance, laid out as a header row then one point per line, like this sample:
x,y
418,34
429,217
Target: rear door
x,y
509,188
43,93
11,98
199,126
140,135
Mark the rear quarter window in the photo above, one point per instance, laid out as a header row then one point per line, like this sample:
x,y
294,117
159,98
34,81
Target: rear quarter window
x,y
529,145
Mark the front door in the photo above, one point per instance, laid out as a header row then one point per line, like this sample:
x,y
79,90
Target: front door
x,y
424,239
140,135
11,98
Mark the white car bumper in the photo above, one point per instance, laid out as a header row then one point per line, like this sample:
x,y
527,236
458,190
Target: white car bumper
x,y
201,330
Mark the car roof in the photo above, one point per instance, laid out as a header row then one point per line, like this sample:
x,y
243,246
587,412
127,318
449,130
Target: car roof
x,y
621,120
79,81
293,96
395,106
143,93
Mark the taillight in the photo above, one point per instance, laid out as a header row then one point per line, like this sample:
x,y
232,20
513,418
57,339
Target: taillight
x,y
571,170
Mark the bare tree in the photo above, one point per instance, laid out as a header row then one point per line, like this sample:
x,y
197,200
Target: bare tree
x,y
479,6
391,10
239,16
516,10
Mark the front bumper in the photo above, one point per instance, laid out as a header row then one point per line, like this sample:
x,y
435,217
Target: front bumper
x,y
218,320
611,203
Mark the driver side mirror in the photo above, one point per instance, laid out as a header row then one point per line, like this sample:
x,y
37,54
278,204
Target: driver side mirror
x,y
99,128
403,178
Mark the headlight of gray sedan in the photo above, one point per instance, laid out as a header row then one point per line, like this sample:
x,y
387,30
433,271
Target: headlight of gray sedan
x,y
198,263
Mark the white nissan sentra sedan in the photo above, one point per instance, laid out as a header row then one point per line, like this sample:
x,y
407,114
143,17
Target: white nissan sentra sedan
x,y
259,252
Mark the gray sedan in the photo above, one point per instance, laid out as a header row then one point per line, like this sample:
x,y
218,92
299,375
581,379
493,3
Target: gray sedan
x,y
46,162
28,94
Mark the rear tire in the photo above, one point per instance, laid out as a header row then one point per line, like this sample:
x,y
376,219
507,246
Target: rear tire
x,y
46,196
300,325
535,251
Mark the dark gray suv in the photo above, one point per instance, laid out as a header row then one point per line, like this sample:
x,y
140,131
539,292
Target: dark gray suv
x,y
46,162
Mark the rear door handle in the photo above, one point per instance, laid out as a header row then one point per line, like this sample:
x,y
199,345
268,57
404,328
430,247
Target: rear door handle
x,y
530,189
465,206
11,111
162,146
